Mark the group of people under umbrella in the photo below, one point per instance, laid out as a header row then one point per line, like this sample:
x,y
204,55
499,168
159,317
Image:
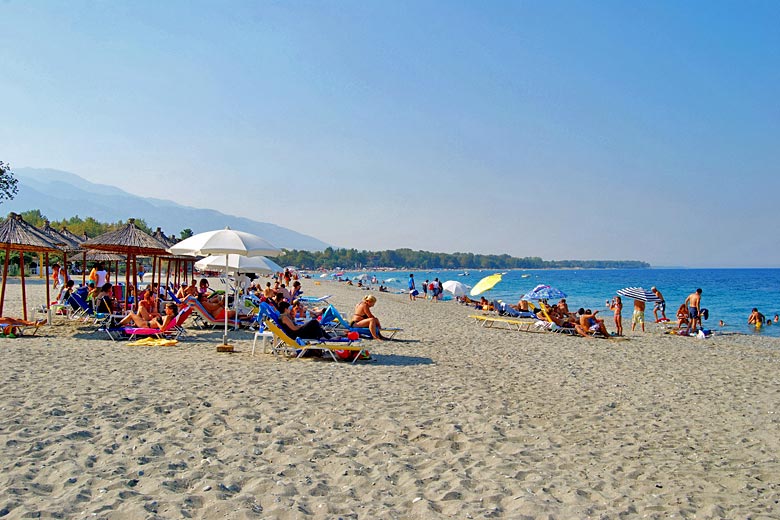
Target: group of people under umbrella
x,y
22,237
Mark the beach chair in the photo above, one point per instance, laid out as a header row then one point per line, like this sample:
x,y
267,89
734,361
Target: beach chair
x,y
498,322
554,327
174,330
204,319
332,320
14,327
311,299
284,344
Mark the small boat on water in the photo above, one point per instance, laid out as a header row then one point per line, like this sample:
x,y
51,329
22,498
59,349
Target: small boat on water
x,y
464,273
525,276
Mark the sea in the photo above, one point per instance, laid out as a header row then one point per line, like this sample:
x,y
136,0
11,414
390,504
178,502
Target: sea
x,y
728,294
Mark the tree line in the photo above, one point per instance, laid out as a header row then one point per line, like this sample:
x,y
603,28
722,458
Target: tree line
x,y
332,258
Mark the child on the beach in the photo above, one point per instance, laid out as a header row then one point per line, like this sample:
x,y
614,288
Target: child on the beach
x,y
617,307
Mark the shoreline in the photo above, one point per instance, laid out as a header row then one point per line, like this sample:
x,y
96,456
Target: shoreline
x,y
454,421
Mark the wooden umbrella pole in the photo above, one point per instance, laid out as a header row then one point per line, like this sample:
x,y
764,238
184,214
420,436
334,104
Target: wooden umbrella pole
x,y
159,273
84,269
127,283
24,291
168,274
48,294
135,284
64,268
5,276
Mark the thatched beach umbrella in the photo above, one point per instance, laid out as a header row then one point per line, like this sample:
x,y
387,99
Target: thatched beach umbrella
x,y
65,243
130,241
18,235
176,260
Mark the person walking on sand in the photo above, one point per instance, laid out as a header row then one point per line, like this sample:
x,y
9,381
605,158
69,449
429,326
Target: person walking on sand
x,y
639,315
693,301
659,306
617,308
412,290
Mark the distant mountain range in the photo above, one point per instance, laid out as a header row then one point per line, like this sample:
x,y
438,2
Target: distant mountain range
x,y
59,194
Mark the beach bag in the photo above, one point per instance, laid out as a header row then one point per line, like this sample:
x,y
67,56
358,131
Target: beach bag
x,y
350,355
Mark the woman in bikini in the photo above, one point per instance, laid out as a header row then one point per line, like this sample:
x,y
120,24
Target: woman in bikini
x,y
364,318
617,308
159,322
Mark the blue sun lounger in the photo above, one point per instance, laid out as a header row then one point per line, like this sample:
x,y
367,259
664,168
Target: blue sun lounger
x,y
333,320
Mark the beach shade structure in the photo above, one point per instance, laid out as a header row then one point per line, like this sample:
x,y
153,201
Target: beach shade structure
x,y
67,244
543,292
131,241
18,235
639,293
486,284
456,288
239,264
225,242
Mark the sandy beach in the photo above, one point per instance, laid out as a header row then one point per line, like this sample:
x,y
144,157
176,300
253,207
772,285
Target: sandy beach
x,y
455,421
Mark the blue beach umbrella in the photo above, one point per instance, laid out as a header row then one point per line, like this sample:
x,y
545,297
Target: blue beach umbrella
x,y
544,292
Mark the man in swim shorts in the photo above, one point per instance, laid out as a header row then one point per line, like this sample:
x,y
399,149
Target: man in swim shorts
x,y
412,290
639,315
659,306
693,301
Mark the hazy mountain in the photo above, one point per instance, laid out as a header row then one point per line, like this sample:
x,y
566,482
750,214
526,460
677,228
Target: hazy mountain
x,y
59,194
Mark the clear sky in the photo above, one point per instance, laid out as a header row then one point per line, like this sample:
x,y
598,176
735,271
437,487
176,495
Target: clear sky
x,y
566,130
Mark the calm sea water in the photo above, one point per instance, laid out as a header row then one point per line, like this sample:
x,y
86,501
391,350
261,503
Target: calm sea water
x,y
729,294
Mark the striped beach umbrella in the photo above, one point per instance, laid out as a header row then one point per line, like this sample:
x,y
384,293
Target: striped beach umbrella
x,y
639,293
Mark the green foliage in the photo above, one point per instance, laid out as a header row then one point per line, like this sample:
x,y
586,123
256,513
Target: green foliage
x,y
406,258
8,182
185,233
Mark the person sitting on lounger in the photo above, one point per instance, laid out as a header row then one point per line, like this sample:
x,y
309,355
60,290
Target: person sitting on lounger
x,y
158,322
104,300
309,330
363,317
147,307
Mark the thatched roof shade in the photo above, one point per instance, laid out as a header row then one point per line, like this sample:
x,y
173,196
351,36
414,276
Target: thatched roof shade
x,y
72,236
54,236
102,256
21,236
127,240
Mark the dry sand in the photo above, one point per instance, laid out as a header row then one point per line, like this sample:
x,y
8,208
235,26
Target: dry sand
x,y
456,422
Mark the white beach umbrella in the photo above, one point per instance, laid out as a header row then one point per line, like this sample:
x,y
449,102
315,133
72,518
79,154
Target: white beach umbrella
x,y
456,288
224,242
238,263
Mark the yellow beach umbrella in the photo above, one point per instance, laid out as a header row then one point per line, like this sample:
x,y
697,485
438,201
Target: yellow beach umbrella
x,y
486,284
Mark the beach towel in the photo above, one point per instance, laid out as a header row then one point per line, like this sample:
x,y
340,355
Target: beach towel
x,y
154,342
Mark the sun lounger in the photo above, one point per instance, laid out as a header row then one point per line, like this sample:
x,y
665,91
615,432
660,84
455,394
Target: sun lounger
x,y
15,327
311,299
498,322
333,320
297,348
174,330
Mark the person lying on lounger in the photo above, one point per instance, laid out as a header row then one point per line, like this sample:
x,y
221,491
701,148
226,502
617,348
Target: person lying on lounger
x,y
216,308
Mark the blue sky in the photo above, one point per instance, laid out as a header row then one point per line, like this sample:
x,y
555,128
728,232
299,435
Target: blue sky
x,y
566,130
